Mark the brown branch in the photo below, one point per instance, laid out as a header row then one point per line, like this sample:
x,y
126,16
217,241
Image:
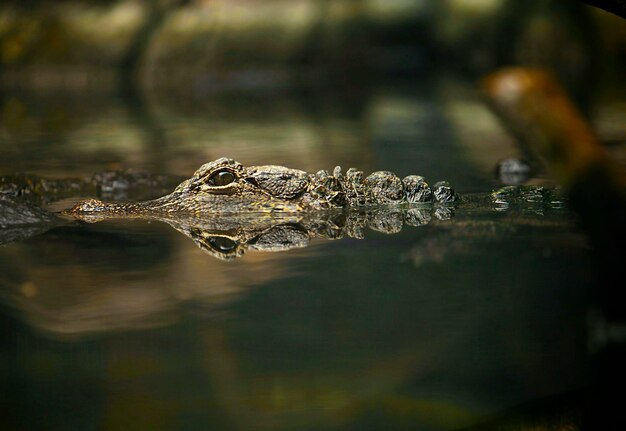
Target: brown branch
x,y
539,112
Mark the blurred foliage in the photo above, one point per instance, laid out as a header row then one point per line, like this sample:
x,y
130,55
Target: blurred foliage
x,y
215,44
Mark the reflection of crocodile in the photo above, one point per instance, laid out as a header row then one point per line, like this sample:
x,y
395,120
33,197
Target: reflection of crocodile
x,y
226,186
228,236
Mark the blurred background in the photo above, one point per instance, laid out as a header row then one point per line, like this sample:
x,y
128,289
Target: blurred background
x,y
130,326
167,85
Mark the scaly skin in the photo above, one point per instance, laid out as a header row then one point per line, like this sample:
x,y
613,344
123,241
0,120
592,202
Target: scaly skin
x,y
225,186
226,208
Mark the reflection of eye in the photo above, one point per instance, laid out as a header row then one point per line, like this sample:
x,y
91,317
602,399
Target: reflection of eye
x,y
221,178
222,244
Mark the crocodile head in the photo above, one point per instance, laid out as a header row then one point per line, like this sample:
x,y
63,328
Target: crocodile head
x,y
221,186
226,186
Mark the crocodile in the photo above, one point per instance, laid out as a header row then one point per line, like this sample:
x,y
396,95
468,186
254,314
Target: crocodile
x,y
226,208
226,186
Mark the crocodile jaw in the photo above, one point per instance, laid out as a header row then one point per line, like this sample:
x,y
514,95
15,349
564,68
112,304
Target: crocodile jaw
x,y
197,204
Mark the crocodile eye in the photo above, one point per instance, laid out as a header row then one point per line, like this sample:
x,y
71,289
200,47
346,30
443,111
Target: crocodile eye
x,y
223,245
221,178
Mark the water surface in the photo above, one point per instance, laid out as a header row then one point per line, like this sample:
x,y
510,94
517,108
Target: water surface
x,y
130,325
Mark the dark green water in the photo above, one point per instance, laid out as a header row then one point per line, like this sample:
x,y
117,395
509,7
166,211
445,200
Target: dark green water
x,y
129,325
